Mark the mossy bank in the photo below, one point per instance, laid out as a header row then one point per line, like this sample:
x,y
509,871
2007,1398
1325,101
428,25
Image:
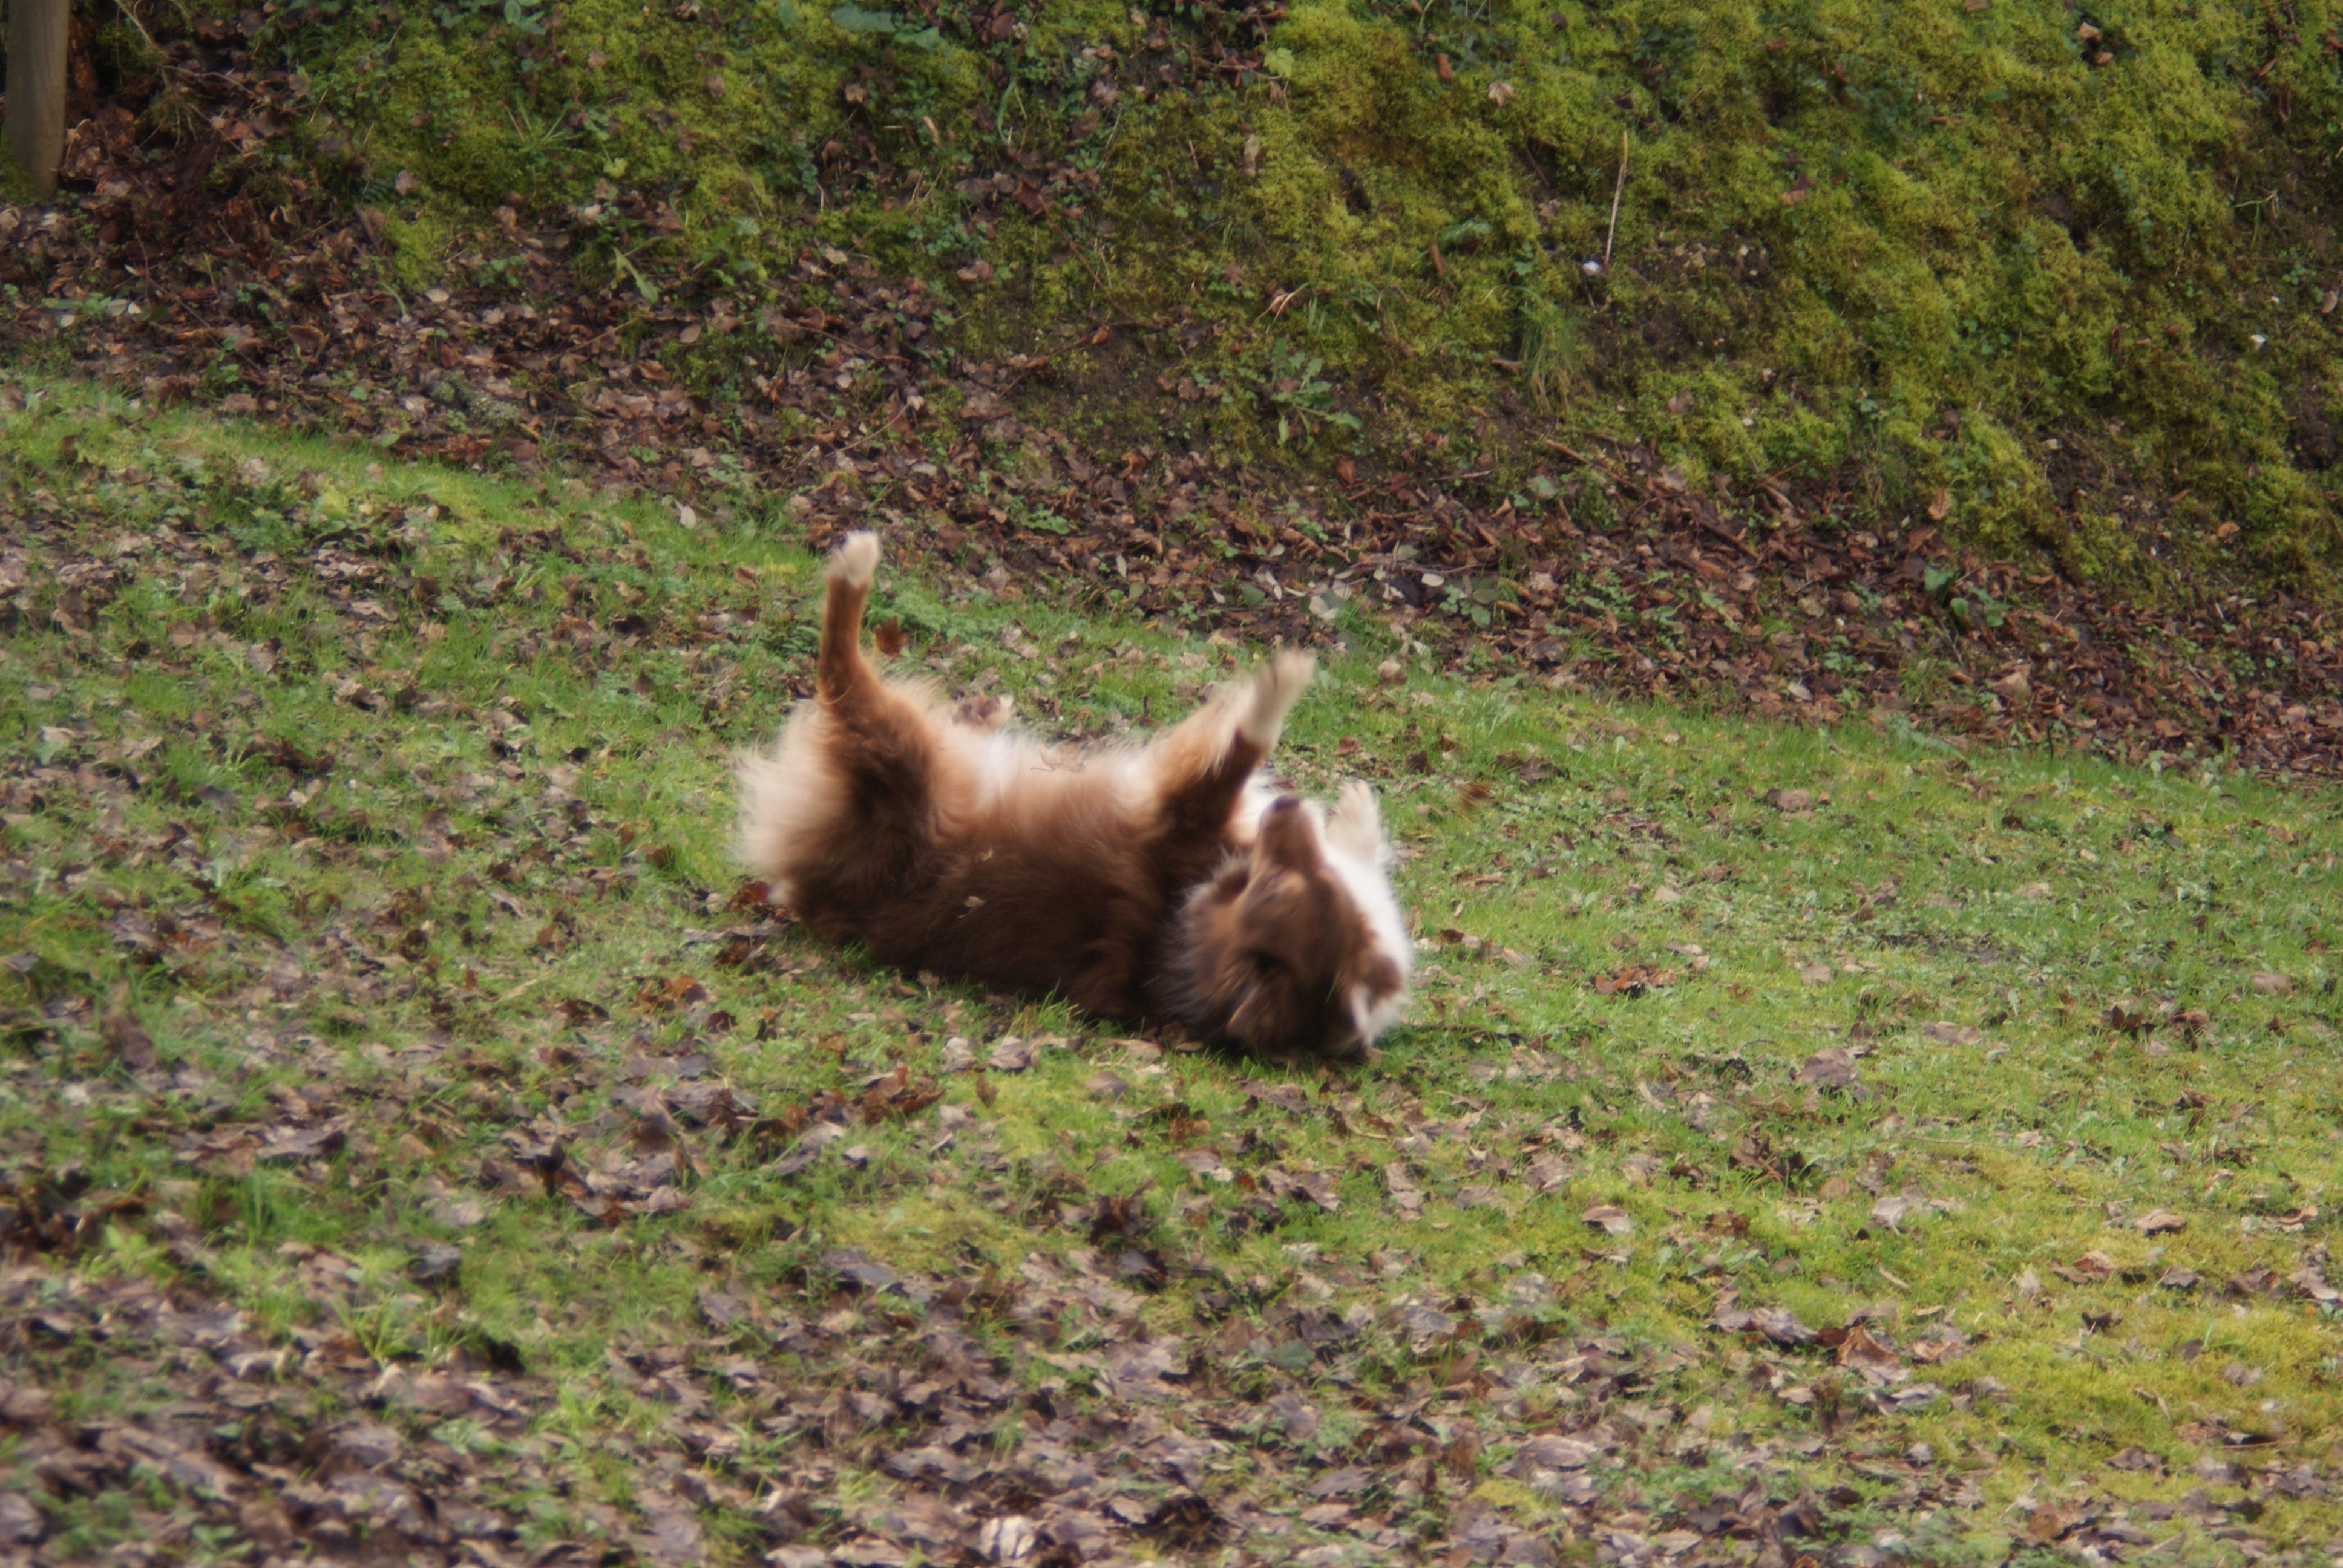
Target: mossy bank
x,y
2058,279
2061,276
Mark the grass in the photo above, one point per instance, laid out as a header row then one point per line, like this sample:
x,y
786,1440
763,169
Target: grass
x,y
397,796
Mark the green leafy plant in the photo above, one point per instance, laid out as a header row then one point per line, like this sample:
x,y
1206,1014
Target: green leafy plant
x,y
1972,610
1293,385
910,32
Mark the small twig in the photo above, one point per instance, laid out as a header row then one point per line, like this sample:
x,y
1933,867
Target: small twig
x,y
1711,526
1588,460
1617,190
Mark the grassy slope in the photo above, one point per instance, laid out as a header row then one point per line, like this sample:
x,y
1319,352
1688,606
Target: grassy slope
x,y
501,825
2070,271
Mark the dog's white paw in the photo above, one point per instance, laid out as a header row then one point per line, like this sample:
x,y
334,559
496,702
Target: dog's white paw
x,y
1356,827
1275,690
985,712
856,560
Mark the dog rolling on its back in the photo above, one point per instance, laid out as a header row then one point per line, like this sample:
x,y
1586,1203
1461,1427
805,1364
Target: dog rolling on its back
x,y
1167,881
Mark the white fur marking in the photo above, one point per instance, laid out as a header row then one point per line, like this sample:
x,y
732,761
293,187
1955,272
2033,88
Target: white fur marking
x,y
1359,867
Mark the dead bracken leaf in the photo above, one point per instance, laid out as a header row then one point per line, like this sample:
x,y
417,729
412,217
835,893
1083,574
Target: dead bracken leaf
x,y
1406,1192
132,1044
1833,1068
1633,979
1775,1323
1861,1348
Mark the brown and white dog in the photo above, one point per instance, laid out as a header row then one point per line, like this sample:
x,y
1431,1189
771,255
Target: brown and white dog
x,y
1167,881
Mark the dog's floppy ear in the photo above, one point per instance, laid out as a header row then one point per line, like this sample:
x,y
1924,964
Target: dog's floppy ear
x,y
1356,827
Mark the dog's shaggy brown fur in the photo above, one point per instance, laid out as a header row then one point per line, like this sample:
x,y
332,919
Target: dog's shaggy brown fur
x,y
1165,881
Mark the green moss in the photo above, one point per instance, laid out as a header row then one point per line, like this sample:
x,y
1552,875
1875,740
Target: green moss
x,y
419,242
15,185
1905,246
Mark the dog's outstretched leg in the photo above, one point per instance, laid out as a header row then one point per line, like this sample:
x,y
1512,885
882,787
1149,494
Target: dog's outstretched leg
x,y
1202,765
842,673
878,739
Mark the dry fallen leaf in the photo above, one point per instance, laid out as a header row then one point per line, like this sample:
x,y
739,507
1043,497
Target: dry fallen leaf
x,y
1406,1194
1830,1069
1607,1218
130,1041
2161,1221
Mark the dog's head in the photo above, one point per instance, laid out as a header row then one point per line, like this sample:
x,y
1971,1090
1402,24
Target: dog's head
x,y
1297,945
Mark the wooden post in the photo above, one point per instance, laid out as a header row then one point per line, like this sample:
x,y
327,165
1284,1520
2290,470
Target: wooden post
x,y
37,90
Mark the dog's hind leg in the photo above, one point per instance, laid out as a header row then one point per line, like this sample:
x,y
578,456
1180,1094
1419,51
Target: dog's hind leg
x,y
1202,766
881,741
843,674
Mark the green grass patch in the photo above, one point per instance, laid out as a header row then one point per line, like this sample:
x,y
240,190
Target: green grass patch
x,y
373,968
